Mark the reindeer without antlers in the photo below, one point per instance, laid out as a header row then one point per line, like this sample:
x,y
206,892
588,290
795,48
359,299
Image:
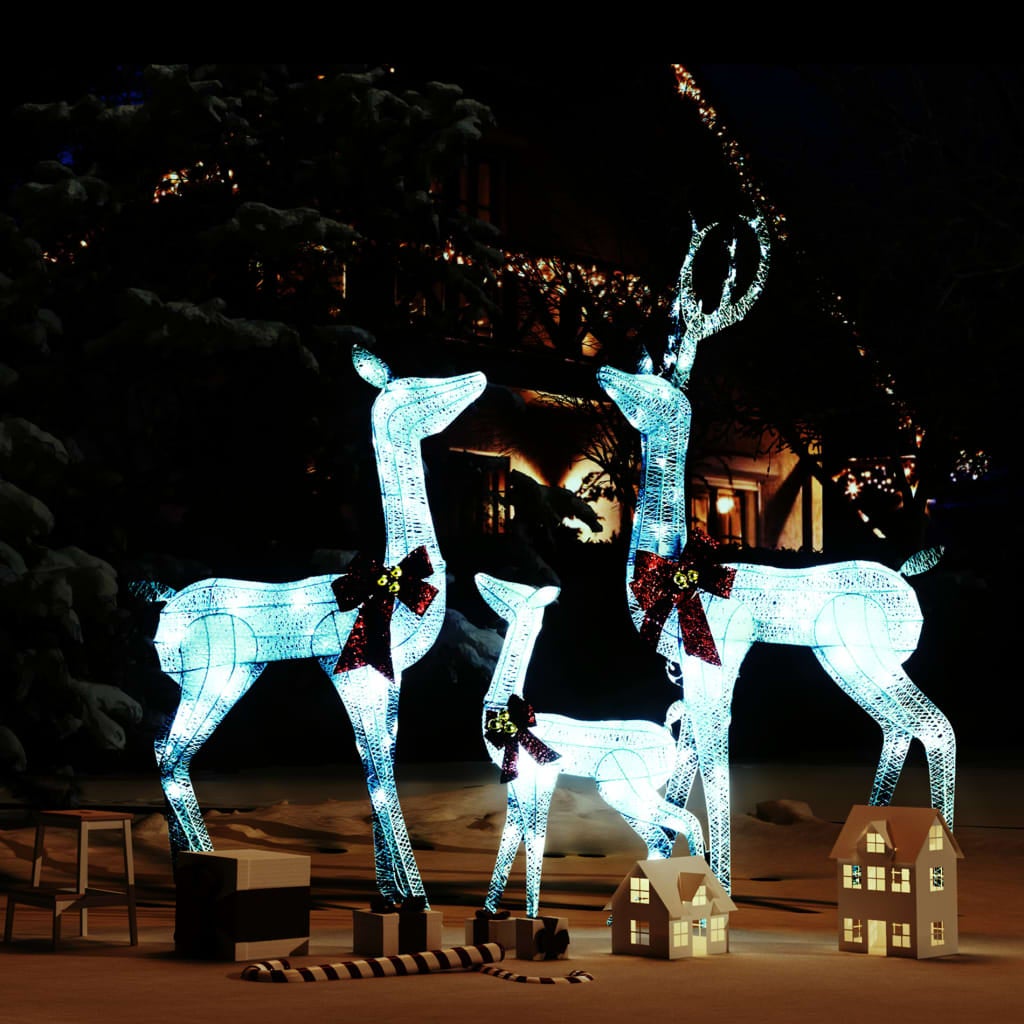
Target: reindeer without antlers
x,y
861,619
628,760
216,636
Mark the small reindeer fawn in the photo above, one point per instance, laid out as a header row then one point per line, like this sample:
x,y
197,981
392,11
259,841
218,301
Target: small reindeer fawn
x,y
629,760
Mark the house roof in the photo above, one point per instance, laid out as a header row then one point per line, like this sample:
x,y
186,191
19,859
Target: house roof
x,y
676,879
905,830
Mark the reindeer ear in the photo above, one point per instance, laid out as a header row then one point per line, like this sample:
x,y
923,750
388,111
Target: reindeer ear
x,y
645,364
371,368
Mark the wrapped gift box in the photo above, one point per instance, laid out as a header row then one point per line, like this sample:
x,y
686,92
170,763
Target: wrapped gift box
x,y
500,930
241,904
542,938
376,934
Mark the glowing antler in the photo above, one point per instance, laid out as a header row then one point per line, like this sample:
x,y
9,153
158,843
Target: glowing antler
x,y
692,324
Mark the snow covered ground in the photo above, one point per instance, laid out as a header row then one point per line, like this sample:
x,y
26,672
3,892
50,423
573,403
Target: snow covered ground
x,y
783,964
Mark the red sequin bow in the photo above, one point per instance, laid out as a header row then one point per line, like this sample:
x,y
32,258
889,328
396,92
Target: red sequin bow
x,y
510,728
373,589
659,585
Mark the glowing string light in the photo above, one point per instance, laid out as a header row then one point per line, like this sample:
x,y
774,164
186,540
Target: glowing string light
x,y
738,160
629,760
215,637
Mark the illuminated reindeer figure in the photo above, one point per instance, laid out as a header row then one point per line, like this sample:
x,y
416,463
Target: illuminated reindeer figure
x,y
215,637
861,619
629,761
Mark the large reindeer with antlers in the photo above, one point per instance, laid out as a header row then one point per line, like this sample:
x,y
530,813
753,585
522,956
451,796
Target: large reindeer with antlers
x,y
365,628
628,760
861,619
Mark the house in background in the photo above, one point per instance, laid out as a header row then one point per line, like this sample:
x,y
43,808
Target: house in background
x,y
896,872
670,909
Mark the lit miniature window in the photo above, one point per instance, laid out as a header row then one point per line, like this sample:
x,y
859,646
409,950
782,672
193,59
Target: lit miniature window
x,y
851,876
853,930
935,837
938,933
938,882
876,877
876,844
680,935
640,933
701,895
718,929
901,935
639,890
901,879
700,927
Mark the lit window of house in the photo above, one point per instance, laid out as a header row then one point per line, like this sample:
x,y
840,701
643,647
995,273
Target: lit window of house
x,y
680,934
938,933
938,882
851,876
639,890
700,927
876,844
640,933
718,929
901,935
901,879
726,510
853,930
876,877
701,895
935,837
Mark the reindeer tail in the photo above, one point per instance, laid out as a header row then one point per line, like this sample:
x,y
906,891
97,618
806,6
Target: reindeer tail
x,y
922,561
151,590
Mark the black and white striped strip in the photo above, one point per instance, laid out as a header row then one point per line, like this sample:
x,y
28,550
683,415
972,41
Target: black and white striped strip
x,y
470,958
572,978
455,958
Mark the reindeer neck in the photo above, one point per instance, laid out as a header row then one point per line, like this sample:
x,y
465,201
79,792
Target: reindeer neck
x,y
407,519
510,671
659,524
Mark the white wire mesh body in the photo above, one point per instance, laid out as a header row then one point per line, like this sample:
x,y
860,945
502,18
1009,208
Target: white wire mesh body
x,y
861,619
215,637
628,760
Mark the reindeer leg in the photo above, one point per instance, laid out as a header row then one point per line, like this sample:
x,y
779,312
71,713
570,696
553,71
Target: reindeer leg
x,y
711,733
208,692
532,793
624,782
372,705
511,836
709,700
680,783
851,644
207,695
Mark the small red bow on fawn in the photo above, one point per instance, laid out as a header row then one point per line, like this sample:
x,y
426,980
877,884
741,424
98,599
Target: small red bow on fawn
x,y
509,727
661,585
373,589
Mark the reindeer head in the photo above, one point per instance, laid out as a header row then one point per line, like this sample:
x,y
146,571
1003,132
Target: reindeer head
x,y
648,401
651,401
414,407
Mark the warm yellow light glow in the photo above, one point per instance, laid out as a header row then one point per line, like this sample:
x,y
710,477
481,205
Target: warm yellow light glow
x,y
725,504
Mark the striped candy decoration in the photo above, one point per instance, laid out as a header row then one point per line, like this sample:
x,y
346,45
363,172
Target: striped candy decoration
x,y
471,958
